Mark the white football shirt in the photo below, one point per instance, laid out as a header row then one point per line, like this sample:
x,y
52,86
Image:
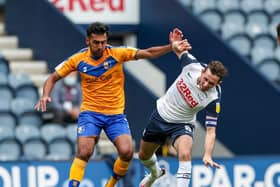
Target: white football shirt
x,y
184,99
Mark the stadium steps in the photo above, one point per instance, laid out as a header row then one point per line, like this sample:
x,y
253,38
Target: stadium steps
x,y
8,42
17,54
21,59
2,28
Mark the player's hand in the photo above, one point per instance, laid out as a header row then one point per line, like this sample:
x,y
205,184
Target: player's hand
x,y
180,46
42,104
208,161
175,35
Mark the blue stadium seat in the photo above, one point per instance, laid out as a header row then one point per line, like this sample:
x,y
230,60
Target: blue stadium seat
x,y
227,5
21,105
5,105
34,148
60,149
6,132
276,54
265,40
257,23
28,91
32,118
259,54
51,131
251,5
271,6
234,23
6,93
8,119
18,79
241,43
186,3
270,68
25,132
212,18
71,132
4,66
3,79
199,6
275,19
10,150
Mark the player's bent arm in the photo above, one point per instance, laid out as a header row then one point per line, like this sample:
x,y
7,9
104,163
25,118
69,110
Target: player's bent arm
x,y
49,84
209,145
153,52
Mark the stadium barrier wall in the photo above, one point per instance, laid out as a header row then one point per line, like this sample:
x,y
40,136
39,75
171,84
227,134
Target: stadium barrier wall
x,y
237,172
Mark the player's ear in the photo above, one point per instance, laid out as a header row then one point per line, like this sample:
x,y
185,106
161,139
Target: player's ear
x,y
87,40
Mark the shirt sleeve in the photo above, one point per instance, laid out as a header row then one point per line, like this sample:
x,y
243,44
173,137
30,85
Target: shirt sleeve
x,y
212,111
125,54
65,67
187,58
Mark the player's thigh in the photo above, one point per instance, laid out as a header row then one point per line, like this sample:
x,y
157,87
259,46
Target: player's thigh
x,y
85,146
117,125
124,144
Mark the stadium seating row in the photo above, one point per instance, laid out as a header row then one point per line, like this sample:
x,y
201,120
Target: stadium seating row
x,y
248,26
51,141
23,132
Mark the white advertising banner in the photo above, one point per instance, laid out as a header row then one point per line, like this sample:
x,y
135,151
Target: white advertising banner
x,y
107,11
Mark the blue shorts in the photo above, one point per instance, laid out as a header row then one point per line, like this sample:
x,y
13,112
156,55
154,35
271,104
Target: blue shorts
x,y
91,124
158,130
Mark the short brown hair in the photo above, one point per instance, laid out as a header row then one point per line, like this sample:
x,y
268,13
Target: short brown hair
x,y
217,68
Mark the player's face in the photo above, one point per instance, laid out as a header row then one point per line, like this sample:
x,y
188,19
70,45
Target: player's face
x,y
207,80
97,43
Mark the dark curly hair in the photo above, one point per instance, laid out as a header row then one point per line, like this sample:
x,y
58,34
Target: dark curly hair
x,y
98,28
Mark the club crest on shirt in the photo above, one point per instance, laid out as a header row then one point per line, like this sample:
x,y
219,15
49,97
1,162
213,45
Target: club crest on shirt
x,y
106,65
188,128
84,69
218,108
80,130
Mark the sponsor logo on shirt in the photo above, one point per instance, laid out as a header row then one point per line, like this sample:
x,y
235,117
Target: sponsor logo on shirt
x,y
186,93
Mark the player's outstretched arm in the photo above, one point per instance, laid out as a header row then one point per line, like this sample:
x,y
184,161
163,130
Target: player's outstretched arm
x,y
209,147
157,51
48,86
181,47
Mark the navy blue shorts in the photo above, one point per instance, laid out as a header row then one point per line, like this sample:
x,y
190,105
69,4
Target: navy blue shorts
x,y
158,130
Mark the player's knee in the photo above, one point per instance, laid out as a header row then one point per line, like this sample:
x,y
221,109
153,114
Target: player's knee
x,y
84,154
126,154
184,155
143,156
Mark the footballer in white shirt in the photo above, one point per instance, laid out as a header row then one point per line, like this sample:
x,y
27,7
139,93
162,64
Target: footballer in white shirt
x,y
196,88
